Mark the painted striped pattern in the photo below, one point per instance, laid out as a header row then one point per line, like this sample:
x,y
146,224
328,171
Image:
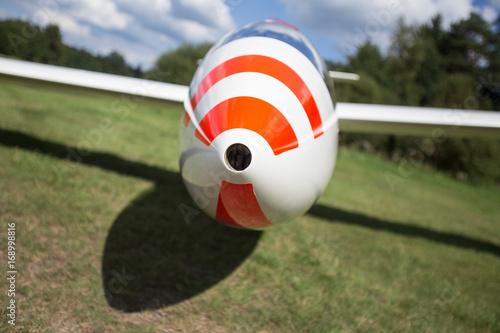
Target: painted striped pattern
x,y
237,206
263,85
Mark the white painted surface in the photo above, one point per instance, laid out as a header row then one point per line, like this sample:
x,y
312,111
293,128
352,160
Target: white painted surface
x,y
93,80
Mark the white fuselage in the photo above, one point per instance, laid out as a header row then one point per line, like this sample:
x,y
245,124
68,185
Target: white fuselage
x,y
259,137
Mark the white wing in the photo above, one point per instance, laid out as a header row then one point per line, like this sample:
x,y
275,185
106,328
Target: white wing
x,y
406,120
343,76
363,118
81,78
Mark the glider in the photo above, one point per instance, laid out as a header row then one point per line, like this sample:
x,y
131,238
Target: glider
x,y
259,135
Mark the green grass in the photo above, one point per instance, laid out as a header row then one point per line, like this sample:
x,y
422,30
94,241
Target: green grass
x,y
102,245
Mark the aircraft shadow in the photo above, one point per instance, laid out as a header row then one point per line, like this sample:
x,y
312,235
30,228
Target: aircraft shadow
x,y
340,216
154,256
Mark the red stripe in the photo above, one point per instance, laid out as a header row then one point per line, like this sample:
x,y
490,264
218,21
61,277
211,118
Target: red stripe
x,y
249,113
238,206
277,20
186,119
268,66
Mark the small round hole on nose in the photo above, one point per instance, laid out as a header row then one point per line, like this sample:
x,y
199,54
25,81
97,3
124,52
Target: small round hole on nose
x,y
238,157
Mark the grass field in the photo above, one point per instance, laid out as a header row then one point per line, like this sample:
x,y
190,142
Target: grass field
x,y
92,184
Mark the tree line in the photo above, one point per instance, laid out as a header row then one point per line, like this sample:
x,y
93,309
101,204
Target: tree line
x,y
429,65
27,41
426,65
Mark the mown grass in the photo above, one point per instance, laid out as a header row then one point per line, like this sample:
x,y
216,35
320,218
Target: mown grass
x,y
102,245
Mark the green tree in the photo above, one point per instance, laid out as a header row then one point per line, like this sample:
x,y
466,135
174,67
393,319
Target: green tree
x,y
178,66
27,41
415,64
114,63
369,60
468,45
54,45
430,66
472,47
370,64
22,40
80,58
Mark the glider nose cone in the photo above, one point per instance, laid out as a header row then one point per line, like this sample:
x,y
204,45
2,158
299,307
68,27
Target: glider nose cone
x,y
237,203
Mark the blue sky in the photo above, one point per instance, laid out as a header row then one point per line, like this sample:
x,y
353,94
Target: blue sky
x,y
142,30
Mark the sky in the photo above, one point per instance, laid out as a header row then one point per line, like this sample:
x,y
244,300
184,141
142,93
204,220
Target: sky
x,y
142,30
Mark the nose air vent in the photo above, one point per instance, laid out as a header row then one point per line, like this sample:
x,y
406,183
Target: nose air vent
x,y
238,157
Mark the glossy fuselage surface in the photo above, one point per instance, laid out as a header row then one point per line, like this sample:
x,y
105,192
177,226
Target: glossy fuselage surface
x,y
259,136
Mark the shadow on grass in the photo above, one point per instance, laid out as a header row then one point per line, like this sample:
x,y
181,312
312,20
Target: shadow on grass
x,y
153,256
339,216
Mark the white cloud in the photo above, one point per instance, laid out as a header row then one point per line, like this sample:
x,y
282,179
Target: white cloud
x,y
140,30
186,20
65,22
101,13
350,23
489,14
